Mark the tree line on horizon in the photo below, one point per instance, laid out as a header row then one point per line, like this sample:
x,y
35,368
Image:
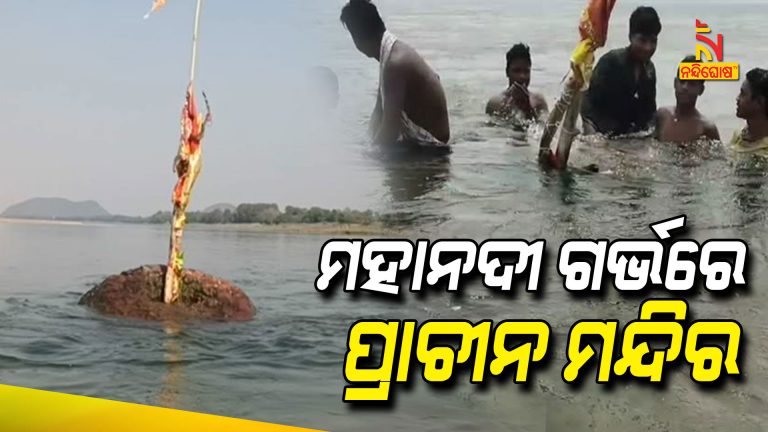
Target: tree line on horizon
x,y
268,214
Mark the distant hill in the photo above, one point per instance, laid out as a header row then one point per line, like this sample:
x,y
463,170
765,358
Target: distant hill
x,y
221,206
56,208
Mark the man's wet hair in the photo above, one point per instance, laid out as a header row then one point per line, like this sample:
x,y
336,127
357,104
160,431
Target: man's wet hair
x,y
689,59
758,82
362,19
645,21
519,51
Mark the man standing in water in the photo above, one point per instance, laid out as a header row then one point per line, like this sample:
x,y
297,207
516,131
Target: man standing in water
x,y
411,105
516,99
621,98
752,106
684,123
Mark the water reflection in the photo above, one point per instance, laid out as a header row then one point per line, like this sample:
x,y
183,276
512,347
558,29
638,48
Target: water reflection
x,y
565,185
749,179
172,386
410,175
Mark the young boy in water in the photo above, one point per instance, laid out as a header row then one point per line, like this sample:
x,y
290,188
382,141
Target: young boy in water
x,y
752,106
517,100
621,98
683,122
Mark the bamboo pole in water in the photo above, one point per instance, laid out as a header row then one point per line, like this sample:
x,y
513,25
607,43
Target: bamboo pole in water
x,y
568,131
563,116
593,27
553,122
187,167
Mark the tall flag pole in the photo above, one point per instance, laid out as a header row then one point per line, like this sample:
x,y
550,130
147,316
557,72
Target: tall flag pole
x,y
195,34
187,166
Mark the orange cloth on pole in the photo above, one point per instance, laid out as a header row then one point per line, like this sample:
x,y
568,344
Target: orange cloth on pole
x,y
593,29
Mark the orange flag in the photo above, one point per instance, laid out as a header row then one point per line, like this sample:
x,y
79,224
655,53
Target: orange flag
x,y
593,29
156,5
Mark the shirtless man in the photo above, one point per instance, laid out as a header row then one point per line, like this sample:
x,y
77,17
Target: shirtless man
x,y
411,105
684,123
516,99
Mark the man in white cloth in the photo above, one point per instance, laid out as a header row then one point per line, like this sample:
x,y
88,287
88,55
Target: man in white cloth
x,y
411,108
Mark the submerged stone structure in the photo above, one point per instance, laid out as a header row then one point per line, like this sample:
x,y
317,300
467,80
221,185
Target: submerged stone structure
x,y
138,294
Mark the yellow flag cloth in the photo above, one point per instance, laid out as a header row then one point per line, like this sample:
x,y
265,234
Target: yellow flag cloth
x,y
593,28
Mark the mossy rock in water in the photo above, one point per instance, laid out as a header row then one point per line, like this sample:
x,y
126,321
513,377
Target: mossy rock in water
x,y
138,294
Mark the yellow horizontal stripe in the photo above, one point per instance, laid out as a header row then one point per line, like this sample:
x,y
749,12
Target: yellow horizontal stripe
x,y
25,410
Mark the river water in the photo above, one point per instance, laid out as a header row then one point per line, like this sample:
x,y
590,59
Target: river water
x,y
286,366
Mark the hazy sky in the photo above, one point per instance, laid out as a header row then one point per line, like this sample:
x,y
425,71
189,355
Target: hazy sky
x,y
92,94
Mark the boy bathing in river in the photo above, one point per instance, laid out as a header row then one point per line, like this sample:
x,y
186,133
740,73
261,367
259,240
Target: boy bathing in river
x,y
516,100
683,122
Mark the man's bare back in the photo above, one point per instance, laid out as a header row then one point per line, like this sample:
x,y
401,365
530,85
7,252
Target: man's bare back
x,y
408,78
411,106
